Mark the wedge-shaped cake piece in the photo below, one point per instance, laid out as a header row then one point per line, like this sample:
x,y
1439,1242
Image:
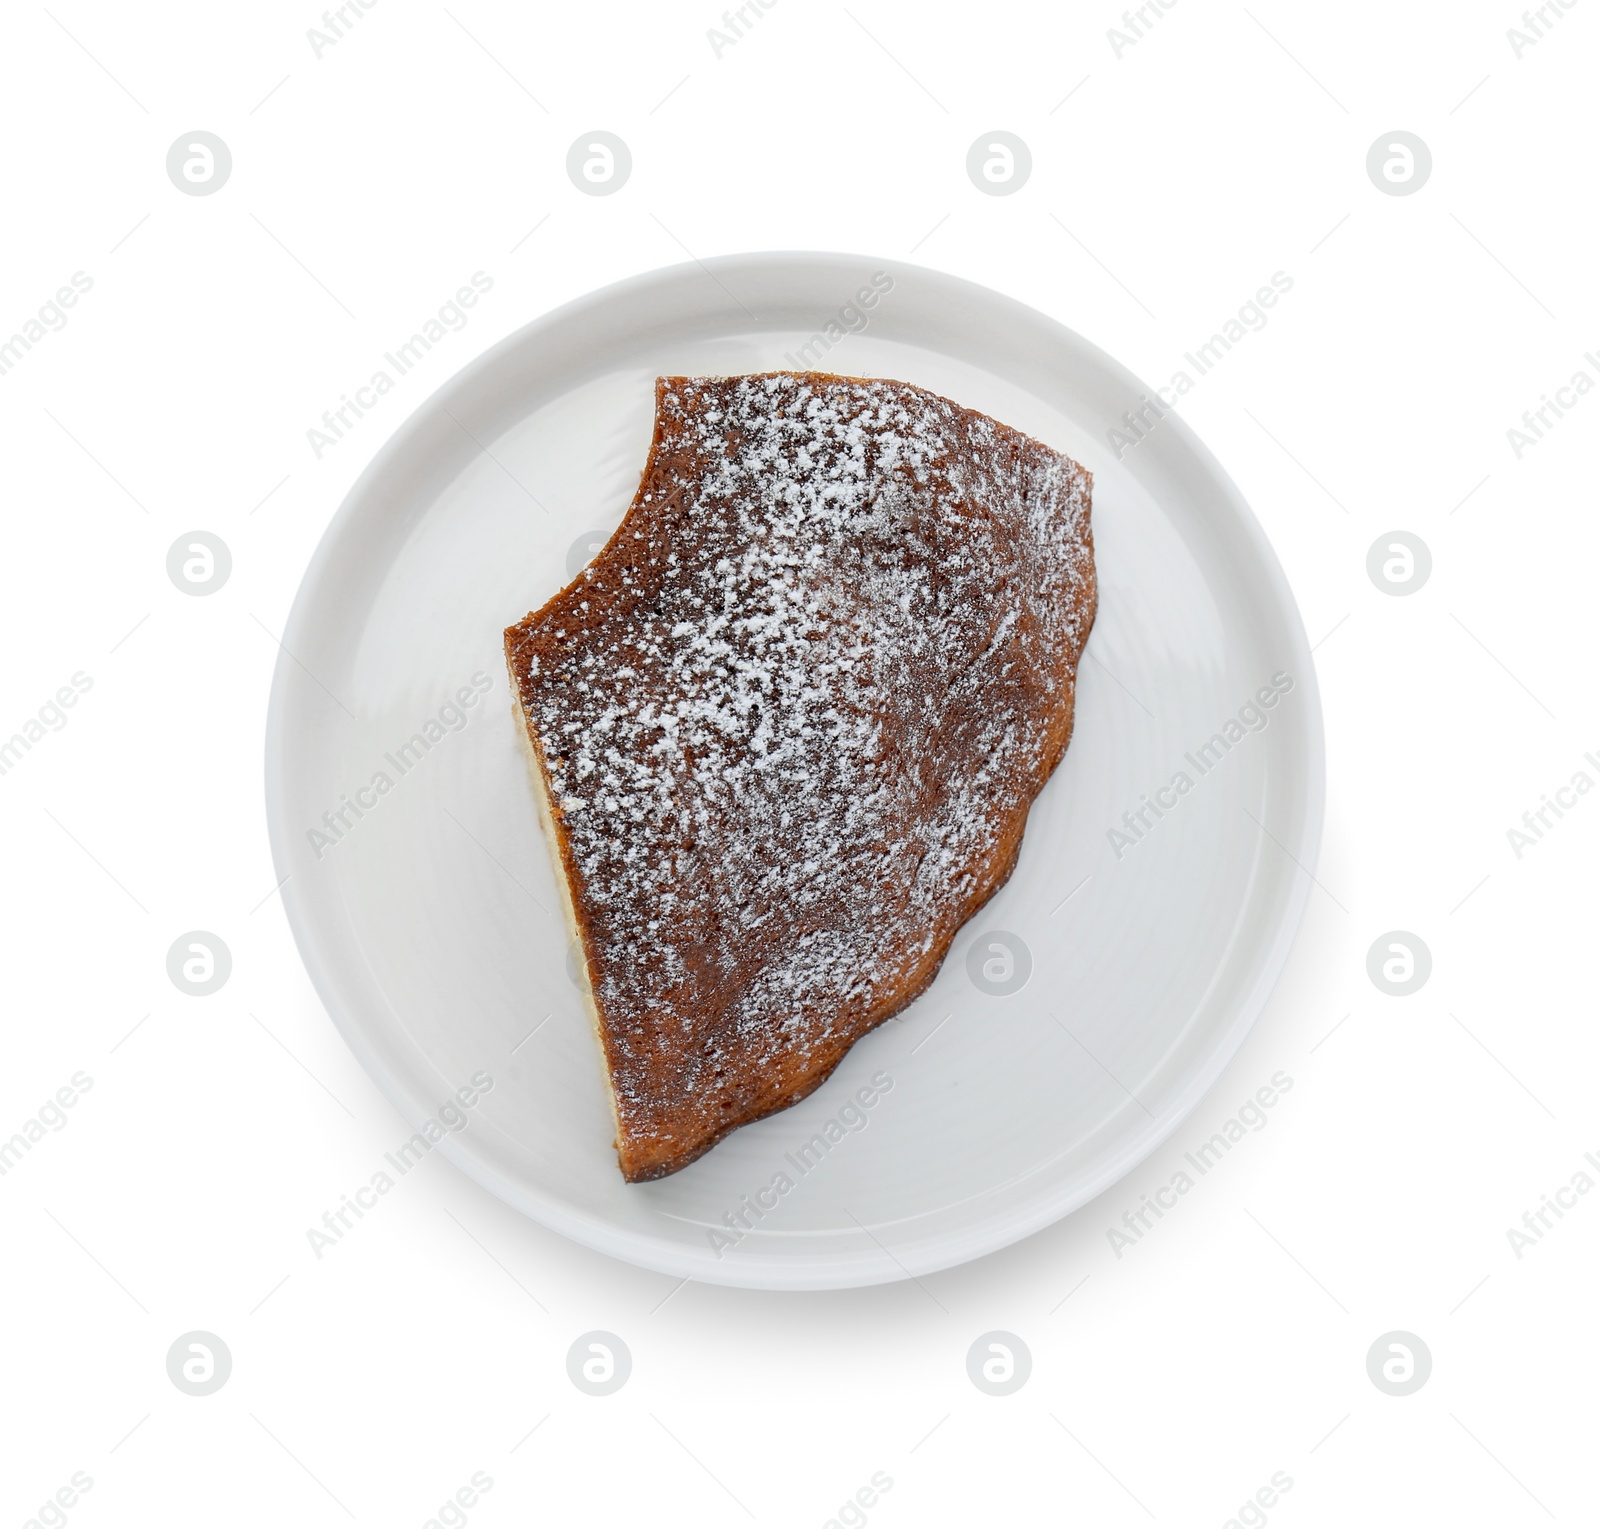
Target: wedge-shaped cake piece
x,y
786,728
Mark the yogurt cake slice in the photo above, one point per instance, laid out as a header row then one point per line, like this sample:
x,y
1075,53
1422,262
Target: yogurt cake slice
x,y
786,728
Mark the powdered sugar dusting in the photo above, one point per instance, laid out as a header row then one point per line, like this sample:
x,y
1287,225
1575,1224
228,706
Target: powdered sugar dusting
x,y
793,717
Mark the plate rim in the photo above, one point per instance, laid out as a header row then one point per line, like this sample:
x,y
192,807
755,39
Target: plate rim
x,y
842,1271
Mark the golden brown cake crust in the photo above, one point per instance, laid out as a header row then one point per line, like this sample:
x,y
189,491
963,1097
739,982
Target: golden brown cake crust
x,y
790,722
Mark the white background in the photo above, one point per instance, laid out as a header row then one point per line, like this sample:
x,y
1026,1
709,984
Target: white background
x,y
1168,184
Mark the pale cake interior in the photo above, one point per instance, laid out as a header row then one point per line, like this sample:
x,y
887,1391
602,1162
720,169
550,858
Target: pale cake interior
x,y
541,796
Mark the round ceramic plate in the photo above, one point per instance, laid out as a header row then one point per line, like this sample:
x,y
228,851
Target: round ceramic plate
x,y
1079,1017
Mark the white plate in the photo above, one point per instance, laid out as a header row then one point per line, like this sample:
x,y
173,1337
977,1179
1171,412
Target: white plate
x,y
431,926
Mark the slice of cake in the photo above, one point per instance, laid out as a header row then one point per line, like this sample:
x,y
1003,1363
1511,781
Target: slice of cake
x,y
786,729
